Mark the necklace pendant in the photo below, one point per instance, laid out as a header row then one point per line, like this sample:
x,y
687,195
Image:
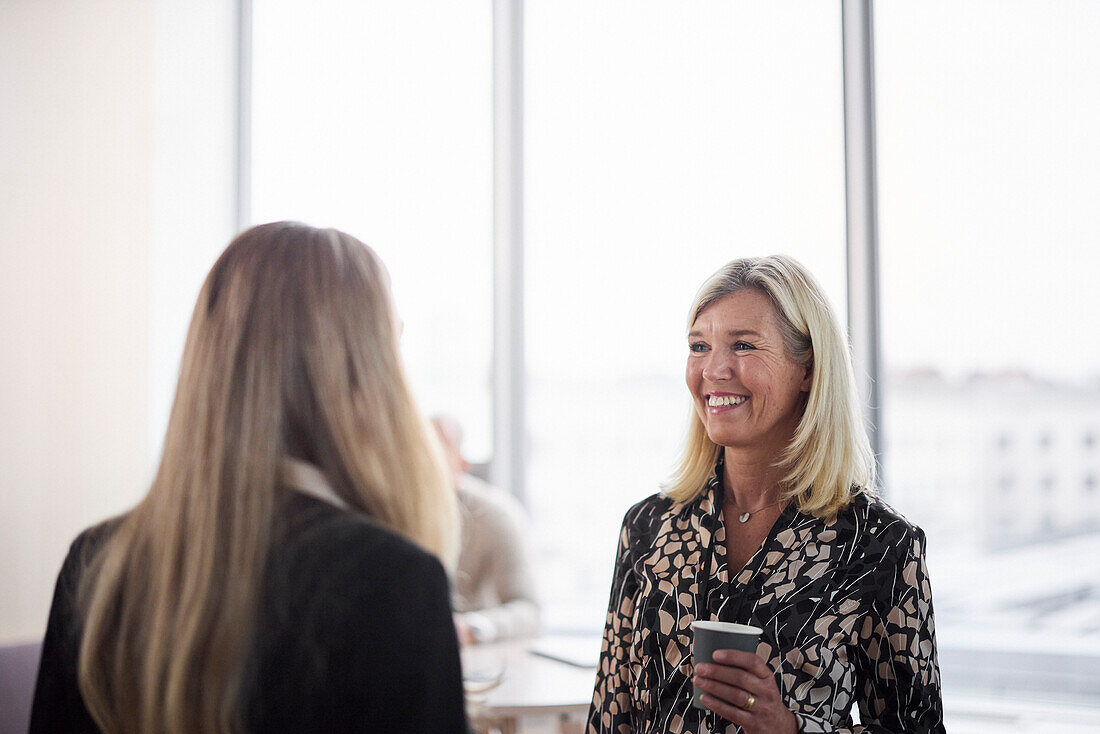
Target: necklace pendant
x,y
744,517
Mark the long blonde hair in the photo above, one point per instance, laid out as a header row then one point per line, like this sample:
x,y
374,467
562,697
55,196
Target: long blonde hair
x,y
829,458
292,352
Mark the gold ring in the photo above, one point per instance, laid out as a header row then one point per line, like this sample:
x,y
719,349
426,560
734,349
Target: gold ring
x,y
749,702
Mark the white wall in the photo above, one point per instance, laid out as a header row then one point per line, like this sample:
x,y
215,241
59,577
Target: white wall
x,y
116,192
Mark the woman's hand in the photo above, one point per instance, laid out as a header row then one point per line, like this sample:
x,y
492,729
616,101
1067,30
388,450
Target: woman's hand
x,y
740,687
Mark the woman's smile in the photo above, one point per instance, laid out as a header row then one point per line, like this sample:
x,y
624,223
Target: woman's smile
x,y
720,402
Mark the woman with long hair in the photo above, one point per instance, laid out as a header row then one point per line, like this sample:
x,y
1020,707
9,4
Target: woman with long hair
x,y
286,570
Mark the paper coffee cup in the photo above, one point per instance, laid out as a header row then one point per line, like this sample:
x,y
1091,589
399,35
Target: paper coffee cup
x,y
711,636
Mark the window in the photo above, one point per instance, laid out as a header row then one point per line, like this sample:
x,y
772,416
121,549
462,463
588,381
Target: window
x,y
375,118
662,142
989,170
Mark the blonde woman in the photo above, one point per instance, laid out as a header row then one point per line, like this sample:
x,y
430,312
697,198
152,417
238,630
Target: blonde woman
x,y
285,571
770,520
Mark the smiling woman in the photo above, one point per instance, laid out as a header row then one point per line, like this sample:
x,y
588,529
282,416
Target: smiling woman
x,y
770,521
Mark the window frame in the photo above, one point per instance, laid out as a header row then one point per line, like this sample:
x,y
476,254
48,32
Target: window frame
x,y
993,672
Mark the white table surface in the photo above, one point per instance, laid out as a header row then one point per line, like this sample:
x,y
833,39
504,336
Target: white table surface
x,y
530,685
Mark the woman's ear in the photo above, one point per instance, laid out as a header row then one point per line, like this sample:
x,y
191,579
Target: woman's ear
x,y
808,380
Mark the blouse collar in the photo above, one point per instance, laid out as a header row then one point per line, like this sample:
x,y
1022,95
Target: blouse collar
x,y
309,480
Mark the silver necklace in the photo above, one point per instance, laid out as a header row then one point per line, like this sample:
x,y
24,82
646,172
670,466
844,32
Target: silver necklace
x,y
744,516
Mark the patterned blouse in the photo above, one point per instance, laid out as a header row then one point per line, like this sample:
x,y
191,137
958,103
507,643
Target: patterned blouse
x,y
845,606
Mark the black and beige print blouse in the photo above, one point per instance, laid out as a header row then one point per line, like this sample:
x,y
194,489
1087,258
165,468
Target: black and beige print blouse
x,y
845,606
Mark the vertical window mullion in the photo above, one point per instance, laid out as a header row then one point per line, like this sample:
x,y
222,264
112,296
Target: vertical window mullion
x,y
244,114
862,213
509,420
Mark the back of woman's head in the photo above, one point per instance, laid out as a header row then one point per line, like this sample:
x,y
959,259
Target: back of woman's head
x,y
292,352
295,338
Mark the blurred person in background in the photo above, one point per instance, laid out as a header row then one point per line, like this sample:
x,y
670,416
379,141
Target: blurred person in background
x,y
770,520
286,570
494,584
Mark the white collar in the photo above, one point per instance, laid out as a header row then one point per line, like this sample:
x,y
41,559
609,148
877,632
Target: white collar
x,y
308,479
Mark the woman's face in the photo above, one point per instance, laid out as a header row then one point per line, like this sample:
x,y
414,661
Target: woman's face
x,y
747,391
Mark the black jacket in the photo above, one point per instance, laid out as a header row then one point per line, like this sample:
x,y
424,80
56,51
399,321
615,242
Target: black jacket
x,y
354,634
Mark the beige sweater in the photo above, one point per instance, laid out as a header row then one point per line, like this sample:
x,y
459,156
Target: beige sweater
x,y
494,583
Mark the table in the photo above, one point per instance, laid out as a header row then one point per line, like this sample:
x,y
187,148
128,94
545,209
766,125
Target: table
x,y
529,685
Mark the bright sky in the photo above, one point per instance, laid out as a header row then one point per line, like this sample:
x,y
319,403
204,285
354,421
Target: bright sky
x,y
663,140
989,178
